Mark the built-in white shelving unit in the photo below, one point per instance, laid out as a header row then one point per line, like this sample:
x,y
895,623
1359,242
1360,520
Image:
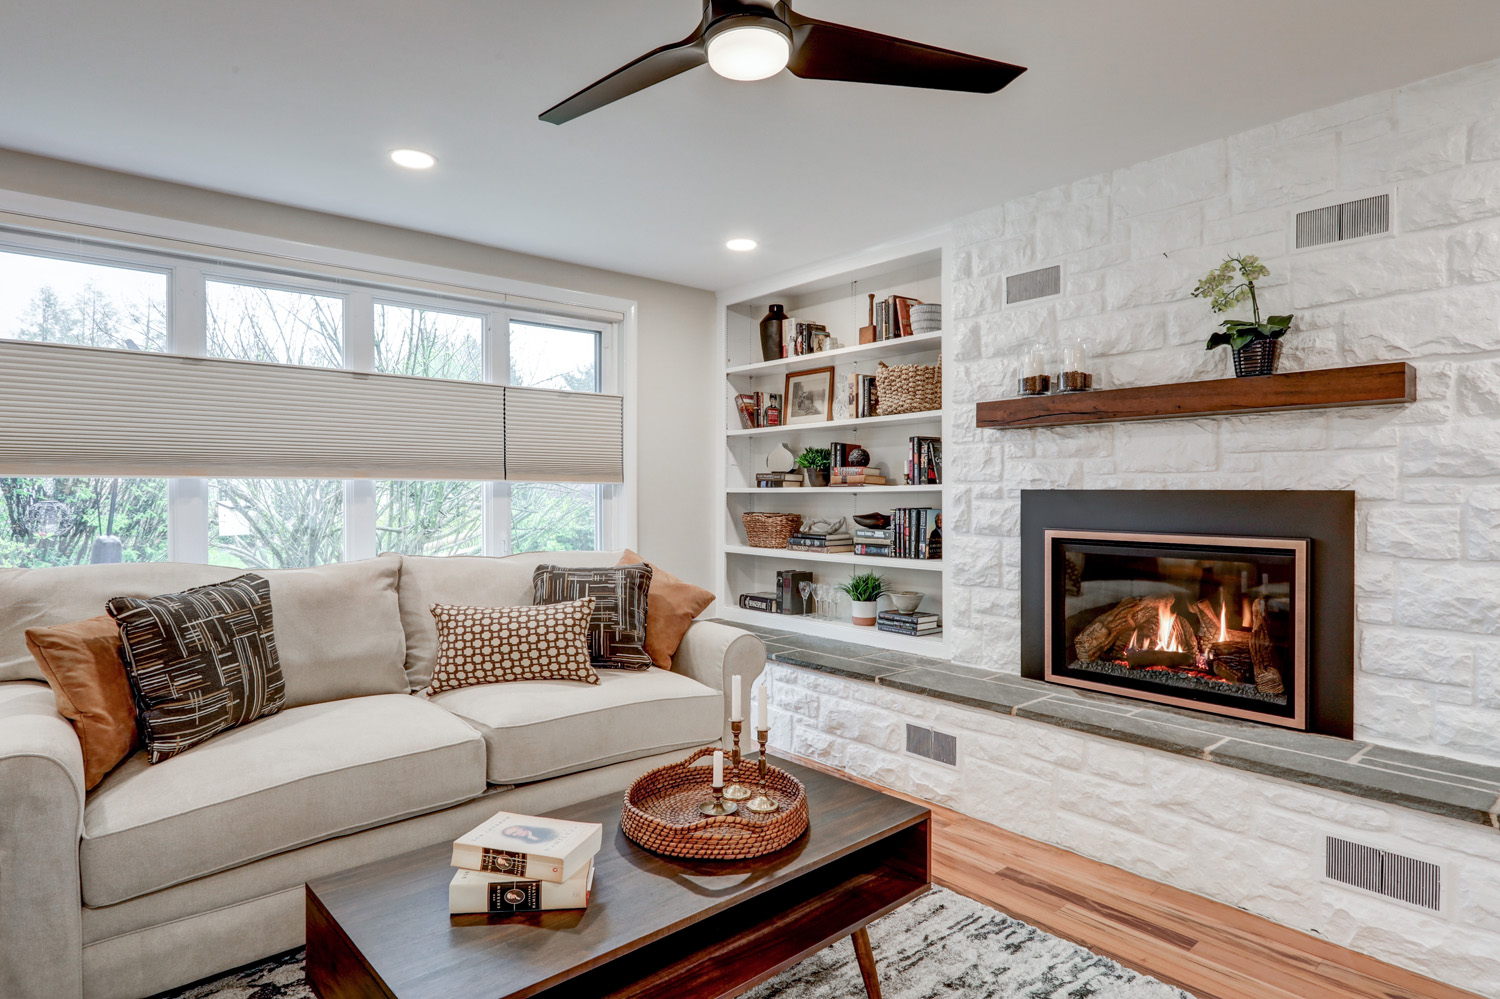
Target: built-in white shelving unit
x,y
836,295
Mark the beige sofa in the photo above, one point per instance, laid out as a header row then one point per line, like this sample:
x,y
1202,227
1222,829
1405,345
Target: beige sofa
x,y
165,874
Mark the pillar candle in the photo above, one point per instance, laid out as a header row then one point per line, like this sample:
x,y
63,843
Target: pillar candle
x,y
718,768
734,698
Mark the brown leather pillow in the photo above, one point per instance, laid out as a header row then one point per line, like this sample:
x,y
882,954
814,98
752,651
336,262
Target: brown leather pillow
x,y
671,605
82,663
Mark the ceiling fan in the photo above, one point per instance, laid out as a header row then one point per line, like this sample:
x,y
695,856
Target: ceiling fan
x,y
756,39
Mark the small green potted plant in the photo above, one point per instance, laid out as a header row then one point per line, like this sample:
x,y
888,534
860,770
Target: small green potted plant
x,y
1256,344
863,590
815,462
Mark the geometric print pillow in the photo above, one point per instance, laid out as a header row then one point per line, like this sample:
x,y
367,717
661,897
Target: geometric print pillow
x,y
502,644
617,632
200,661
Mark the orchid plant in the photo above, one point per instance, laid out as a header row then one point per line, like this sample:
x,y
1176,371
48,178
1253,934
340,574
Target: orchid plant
x,y
1225,289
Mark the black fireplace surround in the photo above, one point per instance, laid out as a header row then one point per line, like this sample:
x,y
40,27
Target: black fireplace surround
x,y
1238,603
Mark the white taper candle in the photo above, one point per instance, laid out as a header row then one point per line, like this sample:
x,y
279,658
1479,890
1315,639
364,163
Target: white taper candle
x,y
762,705
718,768
734,698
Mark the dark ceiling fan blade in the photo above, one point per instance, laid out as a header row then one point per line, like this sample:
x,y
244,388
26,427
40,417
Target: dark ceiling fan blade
x,y
649,70
825,51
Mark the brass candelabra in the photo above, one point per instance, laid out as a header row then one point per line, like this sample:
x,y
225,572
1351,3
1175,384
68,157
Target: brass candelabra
x,y
736,791
762,802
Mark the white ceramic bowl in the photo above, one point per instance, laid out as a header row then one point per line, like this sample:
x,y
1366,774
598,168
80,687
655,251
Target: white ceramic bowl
x,y
905,601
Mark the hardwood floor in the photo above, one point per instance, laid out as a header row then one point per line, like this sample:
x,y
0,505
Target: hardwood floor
x,y
1212,950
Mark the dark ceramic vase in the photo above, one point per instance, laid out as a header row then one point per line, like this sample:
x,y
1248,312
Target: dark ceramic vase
x,y
770,334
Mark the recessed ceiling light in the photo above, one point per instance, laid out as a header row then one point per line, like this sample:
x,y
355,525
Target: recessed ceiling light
x,y
412,159
741,245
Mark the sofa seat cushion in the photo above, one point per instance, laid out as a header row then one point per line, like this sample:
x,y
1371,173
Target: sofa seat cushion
x,y
545,728
284,781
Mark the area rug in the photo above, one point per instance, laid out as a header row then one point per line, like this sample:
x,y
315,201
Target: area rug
x,y
941,946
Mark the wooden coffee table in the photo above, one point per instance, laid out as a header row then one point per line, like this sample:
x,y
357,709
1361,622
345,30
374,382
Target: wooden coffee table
x,y
656,927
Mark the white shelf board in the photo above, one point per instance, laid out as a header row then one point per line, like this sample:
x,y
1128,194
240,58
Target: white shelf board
x,y
924,645
927,416
858,352
800,491
839,558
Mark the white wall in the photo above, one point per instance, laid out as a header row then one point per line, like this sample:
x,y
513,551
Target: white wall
x,y
677,388
1427,476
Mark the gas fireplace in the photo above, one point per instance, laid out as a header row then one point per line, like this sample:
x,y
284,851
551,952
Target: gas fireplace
x,y
1238,603
1215,623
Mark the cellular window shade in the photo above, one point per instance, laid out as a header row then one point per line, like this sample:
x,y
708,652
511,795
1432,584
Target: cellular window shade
x,y
553,436
67,410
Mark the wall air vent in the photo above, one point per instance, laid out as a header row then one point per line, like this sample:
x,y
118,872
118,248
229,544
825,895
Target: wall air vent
x,y
932,744
1351,220
1033,285
1405,879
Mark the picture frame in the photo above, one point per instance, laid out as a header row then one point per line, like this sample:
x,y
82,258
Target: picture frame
x,y
808,397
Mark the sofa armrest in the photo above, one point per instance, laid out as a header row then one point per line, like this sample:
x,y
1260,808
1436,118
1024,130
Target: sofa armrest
x,y
41,819
711,653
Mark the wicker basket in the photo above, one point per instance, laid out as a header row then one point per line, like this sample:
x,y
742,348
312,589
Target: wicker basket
x,y
909,388
661,813
770,530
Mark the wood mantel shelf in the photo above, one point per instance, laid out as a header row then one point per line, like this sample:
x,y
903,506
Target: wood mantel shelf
x,y
1328,388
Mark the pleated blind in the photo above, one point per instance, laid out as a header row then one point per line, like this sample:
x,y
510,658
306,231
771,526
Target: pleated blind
x,y
68,410
555,436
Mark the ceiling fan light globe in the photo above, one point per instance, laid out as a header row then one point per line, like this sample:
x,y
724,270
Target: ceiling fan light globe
x,y
749,53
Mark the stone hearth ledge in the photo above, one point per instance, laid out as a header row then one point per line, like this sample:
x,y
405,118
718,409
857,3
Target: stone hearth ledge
x,y
1456,789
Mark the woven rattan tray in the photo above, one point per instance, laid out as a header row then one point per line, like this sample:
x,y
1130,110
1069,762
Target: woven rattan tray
x,y
661,812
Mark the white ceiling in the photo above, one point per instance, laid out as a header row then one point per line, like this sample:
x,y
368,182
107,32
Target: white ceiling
x,y
298,102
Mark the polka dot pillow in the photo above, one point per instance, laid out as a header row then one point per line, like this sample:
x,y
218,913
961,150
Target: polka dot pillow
x,y
502,644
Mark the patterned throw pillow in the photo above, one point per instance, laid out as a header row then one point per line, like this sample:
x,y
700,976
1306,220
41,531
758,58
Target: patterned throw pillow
x,y
501,644
200,661
617,632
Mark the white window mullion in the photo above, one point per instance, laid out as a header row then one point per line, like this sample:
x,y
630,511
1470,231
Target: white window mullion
x,y
359,331
187,333
187,520
187,315
497,372
360,537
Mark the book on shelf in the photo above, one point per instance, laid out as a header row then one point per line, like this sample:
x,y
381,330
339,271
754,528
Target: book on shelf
x,y
913,618
924,461
855,479
745,403
473,892
917,532
778,480
855,470
883,550
883,533
815,540
789,591
901,629
767,602
867,397
528,847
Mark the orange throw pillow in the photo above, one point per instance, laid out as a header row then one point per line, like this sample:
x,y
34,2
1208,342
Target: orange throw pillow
x,y
82,664
671,605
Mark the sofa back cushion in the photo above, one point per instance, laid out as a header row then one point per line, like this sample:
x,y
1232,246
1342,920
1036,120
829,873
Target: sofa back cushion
x,y
469,581
338,627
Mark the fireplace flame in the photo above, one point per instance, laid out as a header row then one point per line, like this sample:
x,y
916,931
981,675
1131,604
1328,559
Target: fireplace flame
x,y
1223,620
1166,631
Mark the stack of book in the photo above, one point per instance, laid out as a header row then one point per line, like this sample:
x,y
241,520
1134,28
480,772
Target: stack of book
x,y
799,337
778,480
915,623
893,317
856,475
924,462
524,863
916,532
806,541
872,540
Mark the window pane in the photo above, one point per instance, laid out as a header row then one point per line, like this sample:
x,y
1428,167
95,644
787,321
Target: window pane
x,y
249,323
554,358
66,301
430,518
429,343
75,521
553,517
275,523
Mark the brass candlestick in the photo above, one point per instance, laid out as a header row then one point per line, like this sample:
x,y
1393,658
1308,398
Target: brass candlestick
x,y
718,806
736,791
762,802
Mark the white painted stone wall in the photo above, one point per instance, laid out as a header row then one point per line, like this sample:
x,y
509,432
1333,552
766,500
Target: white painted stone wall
x,y
1239,838
1133,243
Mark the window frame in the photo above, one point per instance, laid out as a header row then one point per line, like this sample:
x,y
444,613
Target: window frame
x,y
188,270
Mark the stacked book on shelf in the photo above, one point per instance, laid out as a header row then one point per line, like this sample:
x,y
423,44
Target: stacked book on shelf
x,y
758,409
914,623
799,337
893,317
916,532
872,541
523,863
807,541
924,461
778,480
856,475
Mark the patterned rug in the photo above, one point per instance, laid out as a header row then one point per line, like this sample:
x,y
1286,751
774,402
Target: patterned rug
x,y
942,945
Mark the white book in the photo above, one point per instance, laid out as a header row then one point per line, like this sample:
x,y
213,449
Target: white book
x,y
471,892
528,847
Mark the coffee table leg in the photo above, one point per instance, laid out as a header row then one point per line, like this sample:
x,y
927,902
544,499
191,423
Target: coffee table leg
x,y
866,958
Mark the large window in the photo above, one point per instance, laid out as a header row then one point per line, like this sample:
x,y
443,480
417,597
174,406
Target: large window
x,y
124,300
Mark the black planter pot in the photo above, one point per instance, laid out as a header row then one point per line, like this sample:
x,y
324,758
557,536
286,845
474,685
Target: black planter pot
x,y
815,476
1258,357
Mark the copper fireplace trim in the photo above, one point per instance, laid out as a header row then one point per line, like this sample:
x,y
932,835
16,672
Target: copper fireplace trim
x,y
1297,546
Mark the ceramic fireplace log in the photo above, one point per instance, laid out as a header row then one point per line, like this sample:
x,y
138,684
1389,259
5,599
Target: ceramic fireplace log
x,y
1263,651
1113,628
1231,658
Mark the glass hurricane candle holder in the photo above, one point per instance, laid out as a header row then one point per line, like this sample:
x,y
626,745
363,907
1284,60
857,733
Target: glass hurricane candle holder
x,y
1034,378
